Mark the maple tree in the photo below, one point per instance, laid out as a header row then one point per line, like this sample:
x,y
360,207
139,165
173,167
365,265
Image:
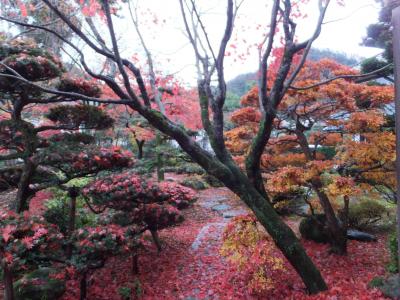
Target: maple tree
x,y
25,243
313,119
140,202
50,151
275,82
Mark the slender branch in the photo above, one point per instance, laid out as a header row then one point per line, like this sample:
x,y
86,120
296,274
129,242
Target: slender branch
x,y
203,28
355,77
74,96
307,46
118,59
262,83
113,85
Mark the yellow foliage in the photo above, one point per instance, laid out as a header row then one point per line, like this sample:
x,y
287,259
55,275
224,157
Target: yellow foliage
x,y
250,248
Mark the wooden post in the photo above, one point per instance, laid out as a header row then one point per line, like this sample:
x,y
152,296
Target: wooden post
x,y
396,58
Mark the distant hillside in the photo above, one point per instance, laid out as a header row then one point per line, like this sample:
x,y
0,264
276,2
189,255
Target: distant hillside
x,y
340,57
242,83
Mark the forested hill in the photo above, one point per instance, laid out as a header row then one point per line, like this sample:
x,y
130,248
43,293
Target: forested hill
x,y
238,86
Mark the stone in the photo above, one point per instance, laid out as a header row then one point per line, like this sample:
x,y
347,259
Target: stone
x,y
221,207
233,213
37,285
353,234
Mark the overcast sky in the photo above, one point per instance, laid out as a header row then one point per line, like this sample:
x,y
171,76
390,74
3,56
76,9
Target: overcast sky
x,y
175,55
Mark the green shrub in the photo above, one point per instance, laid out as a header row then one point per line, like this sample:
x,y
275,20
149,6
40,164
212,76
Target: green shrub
x,y
376,282
365,213
125,292
194,183
187,168
27,288
57,211
328,152
314,228
394,259
212,181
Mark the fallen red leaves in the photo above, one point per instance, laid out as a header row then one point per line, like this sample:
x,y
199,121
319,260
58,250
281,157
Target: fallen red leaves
x,y
36,205
180,272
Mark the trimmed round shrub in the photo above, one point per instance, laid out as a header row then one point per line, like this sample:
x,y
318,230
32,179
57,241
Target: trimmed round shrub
x,y
40,284
365,213
194,183
314,228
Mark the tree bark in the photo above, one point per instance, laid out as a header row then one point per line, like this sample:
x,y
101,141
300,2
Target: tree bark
x,y
140,145
83,287
338,239
135,262
234,179
23,193
8,283
156,239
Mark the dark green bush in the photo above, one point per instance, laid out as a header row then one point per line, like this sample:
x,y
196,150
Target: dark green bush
x,y
376,282
212,181
314,228
27,288
57,211
365,213
194,183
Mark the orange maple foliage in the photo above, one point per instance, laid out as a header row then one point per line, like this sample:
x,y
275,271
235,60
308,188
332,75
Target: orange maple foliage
x,y
333,133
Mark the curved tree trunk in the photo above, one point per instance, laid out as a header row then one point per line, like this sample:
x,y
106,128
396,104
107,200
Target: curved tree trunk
x,y
239,183
281,233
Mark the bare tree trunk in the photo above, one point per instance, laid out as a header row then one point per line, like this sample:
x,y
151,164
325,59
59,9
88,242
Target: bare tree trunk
x,y
156,239
73,192
83,287
159,159
338,239
8,283
140,145
23,193
135,262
